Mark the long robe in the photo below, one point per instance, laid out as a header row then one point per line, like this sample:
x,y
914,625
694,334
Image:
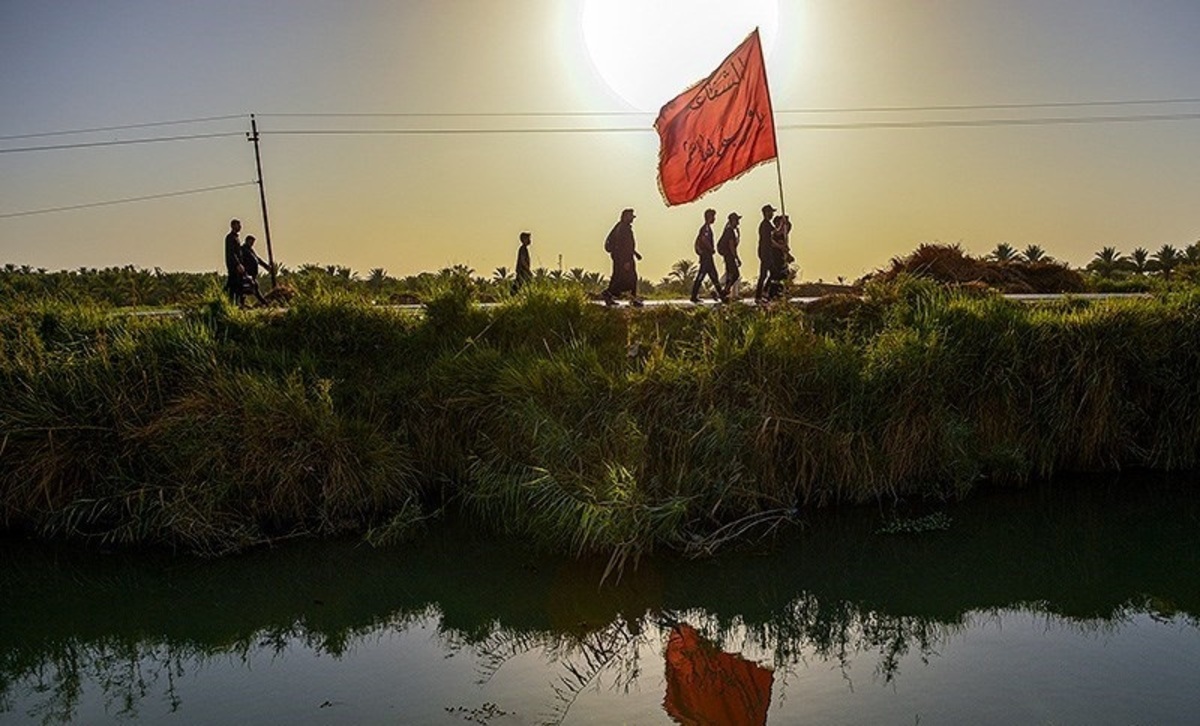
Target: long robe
x,y
621,247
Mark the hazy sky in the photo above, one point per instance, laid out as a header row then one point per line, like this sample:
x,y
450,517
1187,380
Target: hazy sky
x,y
860,193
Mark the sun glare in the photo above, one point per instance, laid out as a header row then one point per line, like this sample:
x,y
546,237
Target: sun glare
x,y
650,51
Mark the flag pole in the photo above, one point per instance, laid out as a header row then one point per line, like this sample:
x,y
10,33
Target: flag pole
x,y
774,128
779,176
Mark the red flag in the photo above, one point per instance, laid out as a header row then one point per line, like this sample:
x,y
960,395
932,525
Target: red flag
x,y
709,686
718,129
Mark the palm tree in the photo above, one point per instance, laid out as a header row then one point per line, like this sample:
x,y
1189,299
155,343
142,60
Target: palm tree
x,y
1168,258
1138,258
1106,262
683,271
1034,253
1004,252
1191,253
377,278
500,274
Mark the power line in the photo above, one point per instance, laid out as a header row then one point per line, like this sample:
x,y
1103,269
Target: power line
x,y
848,109
943,123
967,123
996,106
98,129
1039,121
456,132
626,114
479,114
151,140
609,114
126,200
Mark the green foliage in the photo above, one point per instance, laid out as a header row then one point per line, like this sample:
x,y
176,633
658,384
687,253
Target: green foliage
x,y
594,430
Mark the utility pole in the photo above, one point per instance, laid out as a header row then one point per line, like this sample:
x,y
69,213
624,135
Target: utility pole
x,y
262,196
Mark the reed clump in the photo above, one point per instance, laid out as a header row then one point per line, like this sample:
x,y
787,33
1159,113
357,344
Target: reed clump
x,y
601,431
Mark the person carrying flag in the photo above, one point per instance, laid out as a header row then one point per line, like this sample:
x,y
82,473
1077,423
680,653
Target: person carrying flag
x,y
766,251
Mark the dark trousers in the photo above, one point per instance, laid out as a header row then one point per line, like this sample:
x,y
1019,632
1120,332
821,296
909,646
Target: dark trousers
x,y
764,272
233,286
707,267
732,272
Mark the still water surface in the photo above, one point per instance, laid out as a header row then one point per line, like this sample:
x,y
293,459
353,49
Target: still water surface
x,y
1078,604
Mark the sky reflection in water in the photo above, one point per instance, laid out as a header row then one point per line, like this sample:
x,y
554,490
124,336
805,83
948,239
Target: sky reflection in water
x,y
1075,606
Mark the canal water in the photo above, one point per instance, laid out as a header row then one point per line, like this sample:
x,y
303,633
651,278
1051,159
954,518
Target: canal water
x,y
1077,603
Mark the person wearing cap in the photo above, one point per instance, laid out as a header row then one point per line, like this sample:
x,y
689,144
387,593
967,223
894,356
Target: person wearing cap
x,y
621,246
766,255
727,247
524,272
706,251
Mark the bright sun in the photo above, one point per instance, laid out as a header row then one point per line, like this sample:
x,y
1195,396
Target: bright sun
x,y
648,51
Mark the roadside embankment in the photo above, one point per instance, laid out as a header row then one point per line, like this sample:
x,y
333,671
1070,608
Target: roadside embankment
x,y
578,427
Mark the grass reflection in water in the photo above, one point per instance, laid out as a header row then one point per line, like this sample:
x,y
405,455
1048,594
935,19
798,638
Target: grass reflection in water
x,y
136,630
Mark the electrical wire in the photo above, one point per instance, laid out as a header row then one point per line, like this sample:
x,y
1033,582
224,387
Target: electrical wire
x,y
612,114
455,132
996,106
936,123
968,123
151,140
851,109
127,200
629,114
480,114
942,123
98,129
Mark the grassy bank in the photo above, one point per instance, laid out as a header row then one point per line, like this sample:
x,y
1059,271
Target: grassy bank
x,y
576,426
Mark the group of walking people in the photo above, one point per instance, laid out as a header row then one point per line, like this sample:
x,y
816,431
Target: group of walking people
x,y
242,264
774,258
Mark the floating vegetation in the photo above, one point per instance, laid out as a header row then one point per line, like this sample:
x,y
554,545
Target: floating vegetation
x,y
935,522
481,715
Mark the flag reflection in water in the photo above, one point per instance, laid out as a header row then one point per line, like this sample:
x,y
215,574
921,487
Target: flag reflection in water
x,y
706,685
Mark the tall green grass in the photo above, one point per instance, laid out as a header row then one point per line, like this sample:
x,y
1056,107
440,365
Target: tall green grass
x,y
578,427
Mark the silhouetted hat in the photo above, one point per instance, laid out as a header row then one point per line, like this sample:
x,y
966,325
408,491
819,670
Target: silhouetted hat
x,y
768,208
734,215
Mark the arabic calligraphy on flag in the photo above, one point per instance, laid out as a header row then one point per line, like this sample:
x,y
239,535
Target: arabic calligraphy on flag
x,y
718,129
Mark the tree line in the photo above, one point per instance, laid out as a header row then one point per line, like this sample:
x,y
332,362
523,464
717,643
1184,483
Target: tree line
x,y
1109,262
129,286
